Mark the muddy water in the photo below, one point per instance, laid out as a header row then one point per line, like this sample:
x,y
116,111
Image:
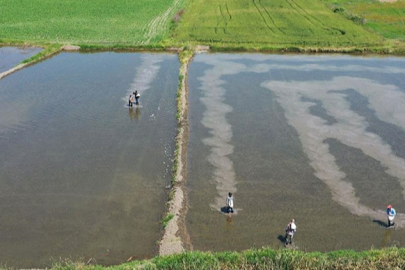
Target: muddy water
x,y
12,56
317,138
81,174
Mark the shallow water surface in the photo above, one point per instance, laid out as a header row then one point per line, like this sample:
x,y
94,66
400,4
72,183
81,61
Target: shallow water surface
x,y
12,56
81,174
317,138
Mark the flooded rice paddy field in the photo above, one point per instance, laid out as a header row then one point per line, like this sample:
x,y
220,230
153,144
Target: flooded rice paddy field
x,y
317,138
12,56
81,174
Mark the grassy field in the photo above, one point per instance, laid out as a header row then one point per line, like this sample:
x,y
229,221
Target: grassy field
x,y
270,22
130,22
387,19
393,259
229,24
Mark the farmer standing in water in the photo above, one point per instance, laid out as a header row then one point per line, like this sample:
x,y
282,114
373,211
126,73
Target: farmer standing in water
x,y
290,231
391,215
130,100
229,203
137,96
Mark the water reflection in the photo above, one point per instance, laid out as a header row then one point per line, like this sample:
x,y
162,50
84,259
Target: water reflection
x,y
12,56
273,127
134,115
76,180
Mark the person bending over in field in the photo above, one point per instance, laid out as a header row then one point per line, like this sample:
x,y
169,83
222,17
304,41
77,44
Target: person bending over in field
x,y
290,231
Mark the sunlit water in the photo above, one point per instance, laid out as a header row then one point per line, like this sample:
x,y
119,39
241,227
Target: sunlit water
x,y
81,174
317,138
12,56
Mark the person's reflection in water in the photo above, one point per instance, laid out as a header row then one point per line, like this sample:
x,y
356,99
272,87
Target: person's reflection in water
x,y
134,115
137,113
386,241
131,114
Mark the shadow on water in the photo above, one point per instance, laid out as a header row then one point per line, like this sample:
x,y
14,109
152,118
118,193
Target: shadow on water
x,y
381,223
281,238
224,210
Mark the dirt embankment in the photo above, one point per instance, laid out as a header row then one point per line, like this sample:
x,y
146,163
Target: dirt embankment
x,y
176,238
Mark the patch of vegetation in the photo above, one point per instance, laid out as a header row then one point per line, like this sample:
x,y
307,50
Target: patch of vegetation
x,y
237,25
271,23
166,220
386,19
47,52
355,18
102,22
264,258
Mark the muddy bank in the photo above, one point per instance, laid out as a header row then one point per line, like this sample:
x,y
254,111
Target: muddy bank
x,y
175,238
31,59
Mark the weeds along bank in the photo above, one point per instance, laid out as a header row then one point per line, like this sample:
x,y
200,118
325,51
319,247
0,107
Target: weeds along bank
x,y
265,258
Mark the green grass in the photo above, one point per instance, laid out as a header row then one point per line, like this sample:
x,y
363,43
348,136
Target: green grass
x,y
266,25
270,23
47,52
125,22
166,220
387,19
265,258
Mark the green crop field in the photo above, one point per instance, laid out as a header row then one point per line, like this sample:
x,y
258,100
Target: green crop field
x,y
131,22
387,19
245,24
271,22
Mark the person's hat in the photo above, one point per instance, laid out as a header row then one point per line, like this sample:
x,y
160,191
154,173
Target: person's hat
x,y
389,206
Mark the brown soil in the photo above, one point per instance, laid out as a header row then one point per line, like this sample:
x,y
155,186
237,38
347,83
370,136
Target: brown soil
x,y
176,238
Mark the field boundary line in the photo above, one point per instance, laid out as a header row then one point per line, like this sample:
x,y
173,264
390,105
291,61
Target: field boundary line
x,y
23,65
227,10
224,18
156,25
312,16
176,238
270,17
301,14
261,15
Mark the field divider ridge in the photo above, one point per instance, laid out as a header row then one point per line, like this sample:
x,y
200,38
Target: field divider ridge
x,y
176,238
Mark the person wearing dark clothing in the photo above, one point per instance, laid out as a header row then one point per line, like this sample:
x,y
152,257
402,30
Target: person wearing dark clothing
x,y
290,231
137,96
